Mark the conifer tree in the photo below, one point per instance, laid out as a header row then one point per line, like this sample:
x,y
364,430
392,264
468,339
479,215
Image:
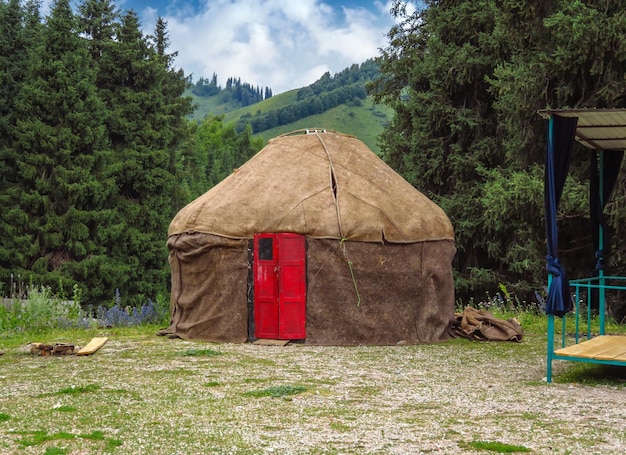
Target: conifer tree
x,y
59,193
12,54
145,123
22,31
88,142
12,68
12,64
98,23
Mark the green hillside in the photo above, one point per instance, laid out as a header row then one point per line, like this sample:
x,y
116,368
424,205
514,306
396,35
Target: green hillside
x,y
214,105
273,103
338,102
209,105
365,122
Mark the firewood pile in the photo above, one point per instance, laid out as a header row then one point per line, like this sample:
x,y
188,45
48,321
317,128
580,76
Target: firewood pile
x,y
44,349
53,349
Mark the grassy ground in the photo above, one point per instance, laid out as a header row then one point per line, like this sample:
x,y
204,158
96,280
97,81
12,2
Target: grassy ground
x,y
143,394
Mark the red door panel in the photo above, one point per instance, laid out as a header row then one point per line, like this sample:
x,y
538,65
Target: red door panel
x,y
291,287
265,286
280,286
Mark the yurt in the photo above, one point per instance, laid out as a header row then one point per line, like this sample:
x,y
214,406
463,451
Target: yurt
x,y
314,239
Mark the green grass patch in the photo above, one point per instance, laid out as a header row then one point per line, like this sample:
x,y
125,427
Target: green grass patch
x,y
423,406
494,446
276,391
55,451
365,390
94,436
78,390
65,409
4,417
35,438
212,384
255,380
200,353
255,361
339,426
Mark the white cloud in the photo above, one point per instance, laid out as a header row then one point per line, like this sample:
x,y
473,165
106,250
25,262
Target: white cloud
x,y
275,43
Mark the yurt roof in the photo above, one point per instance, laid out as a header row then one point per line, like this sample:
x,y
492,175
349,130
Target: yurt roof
x,y
319,183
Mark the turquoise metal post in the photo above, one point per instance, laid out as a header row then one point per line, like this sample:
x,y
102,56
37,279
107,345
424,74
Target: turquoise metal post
x,y
590,287
577,314
550,342
601,282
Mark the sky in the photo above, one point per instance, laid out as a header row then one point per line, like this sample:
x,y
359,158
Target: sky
x,y
281,44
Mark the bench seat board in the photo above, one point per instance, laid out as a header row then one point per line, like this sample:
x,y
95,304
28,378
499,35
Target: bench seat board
x,y
604,347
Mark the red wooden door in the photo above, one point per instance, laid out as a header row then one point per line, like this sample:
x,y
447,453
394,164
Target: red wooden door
x,y
279,286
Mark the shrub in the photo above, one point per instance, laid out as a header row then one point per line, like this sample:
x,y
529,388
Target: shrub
x,y
41,310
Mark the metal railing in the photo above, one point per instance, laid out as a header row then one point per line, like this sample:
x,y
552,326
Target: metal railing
x,y
590,297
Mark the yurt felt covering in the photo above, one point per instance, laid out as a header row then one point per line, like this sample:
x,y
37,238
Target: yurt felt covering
x,y
378,253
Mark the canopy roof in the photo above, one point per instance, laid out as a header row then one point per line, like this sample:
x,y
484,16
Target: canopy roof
x,y
321,184
597,129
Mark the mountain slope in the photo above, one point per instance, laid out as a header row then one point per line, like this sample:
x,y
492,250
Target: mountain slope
x,y
366,122
338,102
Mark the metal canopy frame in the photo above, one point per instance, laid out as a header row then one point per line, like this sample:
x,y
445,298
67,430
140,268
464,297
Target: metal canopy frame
x,y
601,130
597,129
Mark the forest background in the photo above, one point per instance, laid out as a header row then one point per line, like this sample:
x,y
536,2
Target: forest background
x,y
99,147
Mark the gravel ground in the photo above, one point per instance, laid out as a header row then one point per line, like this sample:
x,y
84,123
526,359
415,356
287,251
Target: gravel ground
x,y
358,400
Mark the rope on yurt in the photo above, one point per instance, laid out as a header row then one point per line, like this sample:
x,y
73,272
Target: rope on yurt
x,y
333,187
342,242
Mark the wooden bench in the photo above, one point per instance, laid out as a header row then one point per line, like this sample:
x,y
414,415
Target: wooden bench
x,y
602,348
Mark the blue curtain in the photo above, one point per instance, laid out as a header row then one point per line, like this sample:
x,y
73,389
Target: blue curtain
x,y
561,135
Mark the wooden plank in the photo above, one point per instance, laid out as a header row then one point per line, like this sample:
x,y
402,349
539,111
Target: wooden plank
x,y
92,346
581,348
620,358
614,349
604,347
268,342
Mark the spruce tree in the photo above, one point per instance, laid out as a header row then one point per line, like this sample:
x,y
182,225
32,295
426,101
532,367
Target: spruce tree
x,y
12,63
12,60
145,122
22,31
13,50
59,193
98,21
89,147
